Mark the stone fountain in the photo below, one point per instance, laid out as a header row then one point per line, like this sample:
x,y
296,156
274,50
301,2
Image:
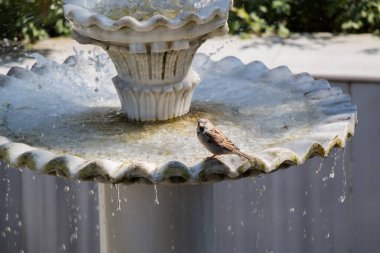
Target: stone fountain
x,y
64,119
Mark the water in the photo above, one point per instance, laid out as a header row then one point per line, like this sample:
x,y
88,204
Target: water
x,y
144,9
77,99
336,156
118,198
342,198
156,195
320,166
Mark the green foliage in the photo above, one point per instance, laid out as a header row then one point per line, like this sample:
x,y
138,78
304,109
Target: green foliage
x,y
31,20
282,16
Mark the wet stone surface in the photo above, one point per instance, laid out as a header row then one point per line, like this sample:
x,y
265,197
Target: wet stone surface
x,y
73,109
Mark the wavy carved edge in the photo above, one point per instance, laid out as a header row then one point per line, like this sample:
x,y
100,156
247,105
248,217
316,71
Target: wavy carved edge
x,y
334,131
87,18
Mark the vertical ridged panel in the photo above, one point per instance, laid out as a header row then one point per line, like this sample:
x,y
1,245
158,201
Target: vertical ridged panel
x,y
147,105
170,65
157,60
156,102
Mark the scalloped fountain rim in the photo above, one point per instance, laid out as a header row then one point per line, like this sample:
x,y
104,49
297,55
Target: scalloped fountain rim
x,y
332,132
87,18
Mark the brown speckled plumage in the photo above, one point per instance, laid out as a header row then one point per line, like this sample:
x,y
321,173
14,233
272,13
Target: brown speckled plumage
x,y
216,142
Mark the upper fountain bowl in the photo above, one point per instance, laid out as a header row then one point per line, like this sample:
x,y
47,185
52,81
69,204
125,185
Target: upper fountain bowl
x,y
152,44
141,22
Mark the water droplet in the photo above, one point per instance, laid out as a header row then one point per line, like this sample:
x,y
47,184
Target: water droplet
x,y
8,229
291,210
342,198
320,167
336,157
91,192
229,228
118,198
63,247
66,189
156,195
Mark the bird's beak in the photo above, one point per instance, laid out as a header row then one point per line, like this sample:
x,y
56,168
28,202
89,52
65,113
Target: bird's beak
x,y
201,126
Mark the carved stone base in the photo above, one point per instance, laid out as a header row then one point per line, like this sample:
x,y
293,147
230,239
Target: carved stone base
x,y
152,102
156,63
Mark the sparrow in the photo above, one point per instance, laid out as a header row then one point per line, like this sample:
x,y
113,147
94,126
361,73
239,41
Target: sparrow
x,y
216,142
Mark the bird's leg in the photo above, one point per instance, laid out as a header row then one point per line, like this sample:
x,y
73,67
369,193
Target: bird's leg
x,y
213,157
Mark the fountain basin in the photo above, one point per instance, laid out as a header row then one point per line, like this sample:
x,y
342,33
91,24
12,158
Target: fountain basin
x,y
277,117
152,56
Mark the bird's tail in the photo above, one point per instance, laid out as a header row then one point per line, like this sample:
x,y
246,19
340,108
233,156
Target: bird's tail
x,y
251,159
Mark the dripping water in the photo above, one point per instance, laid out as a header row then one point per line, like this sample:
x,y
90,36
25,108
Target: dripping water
x,y
125,197
342,198
118,198
320,166
332,173
156,195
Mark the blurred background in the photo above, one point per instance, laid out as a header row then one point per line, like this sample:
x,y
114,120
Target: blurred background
x,y
329,205
33,20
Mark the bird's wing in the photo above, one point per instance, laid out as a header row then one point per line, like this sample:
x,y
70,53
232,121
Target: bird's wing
x,y
219,138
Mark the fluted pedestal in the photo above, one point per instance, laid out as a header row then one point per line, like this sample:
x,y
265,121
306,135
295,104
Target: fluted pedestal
x,y
147,102
154,83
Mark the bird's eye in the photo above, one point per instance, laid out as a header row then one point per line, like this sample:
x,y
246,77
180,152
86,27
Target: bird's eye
x,y
202,128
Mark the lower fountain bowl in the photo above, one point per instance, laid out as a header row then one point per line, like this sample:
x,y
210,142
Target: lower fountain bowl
x,y
155,102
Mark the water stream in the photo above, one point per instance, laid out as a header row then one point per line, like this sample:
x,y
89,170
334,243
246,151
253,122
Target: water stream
x,y
118,198
342,198
156,201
